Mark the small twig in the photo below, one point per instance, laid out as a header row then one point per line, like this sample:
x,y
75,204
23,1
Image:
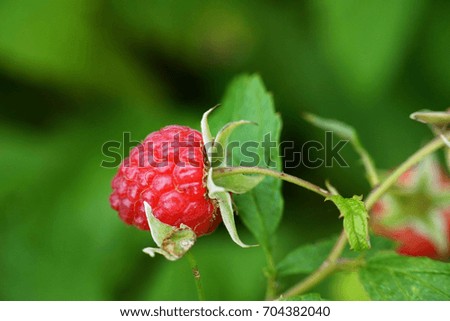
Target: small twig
x,y
228,171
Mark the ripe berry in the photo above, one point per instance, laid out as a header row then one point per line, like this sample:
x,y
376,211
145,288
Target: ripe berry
x,y
416,212
167,170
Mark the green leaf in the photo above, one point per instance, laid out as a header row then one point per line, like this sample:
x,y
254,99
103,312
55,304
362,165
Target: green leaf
x,y
306,258
388,276
378,244
349,133
304,297
247,99
356,224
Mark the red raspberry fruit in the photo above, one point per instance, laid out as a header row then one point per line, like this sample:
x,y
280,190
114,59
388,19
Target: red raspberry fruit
x,y
167,170
416,212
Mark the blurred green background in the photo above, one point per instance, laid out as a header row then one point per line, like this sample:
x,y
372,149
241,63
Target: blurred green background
x,y
77,73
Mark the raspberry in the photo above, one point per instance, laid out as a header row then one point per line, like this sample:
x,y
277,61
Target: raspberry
x,y
167,170
416,212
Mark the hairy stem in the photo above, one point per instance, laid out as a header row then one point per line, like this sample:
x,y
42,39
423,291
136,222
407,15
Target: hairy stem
x,y
196,274
228,171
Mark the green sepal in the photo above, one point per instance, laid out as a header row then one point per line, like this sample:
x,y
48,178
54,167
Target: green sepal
x,y
173,242
221,194
180,241
206,132
158,229
221,141
239,183
356,225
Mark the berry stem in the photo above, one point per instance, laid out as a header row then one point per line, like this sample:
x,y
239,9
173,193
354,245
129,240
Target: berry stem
x,y
228,171
196,274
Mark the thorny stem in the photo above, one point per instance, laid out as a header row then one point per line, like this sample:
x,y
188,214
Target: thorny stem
x,y
196,274
332,262
228,171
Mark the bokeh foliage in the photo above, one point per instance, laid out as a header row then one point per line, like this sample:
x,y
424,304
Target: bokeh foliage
x,y
75,74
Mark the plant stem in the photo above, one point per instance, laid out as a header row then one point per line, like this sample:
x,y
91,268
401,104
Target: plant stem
x,y
271,275
371,170
379,191
326,268
228,171
196,274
